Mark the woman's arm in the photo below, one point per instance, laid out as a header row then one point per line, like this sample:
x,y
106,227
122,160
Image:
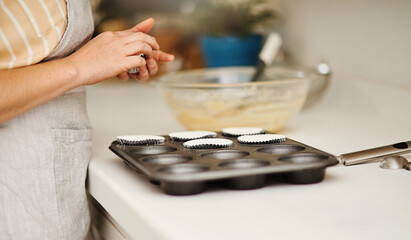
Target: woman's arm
x,y
106,56
22,89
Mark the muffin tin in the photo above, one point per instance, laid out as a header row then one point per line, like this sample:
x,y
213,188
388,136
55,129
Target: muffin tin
x,y
182,171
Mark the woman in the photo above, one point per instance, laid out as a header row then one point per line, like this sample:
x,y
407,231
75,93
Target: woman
x,y
45,136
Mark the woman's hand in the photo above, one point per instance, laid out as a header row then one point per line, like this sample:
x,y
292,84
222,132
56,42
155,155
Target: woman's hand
x,y
111,54
108,55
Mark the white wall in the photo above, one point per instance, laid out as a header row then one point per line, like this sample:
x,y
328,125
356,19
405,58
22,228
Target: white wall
x,y
361,39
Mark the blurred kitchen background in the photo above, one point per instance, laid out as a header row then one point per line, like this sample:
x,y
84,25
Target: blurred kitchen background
x,y
367,39
367,45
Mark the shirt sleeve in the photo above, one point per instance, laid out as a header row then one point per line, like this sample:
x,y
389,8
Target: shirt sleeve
x,y
30,30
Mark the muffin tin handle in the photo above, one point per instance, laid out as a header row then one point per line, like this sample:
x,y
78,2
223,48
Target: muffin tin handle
x,y
370,154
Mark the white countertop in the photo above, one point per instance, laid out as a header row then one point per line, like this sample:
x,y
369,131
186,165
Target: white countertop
x,y
355,202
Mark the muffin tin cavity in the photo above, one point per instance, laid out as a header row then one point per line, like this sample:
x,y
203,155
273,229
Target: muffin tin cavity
x,y
150,150
183,168
305,176
191,135
167,159
301,158
245,182
244,163
282,149
186,167
226,154
239,131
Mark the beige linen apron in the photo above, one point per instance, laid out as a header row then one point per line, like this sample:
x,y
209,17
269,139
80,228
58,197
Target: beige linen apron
x,y
44,155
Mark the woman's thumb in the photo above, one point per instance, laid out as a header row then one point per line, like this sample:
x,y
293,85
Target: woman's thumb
x,y
145,26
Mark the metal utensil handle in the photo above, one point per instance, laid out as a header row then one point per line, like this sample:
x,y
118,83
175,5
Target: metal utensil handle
x,y
369,154
270,49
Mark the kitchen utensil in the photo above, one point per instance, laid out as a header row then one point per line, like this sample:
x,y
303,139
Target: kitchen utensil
x,y
373,154
184,171
393,162
267,54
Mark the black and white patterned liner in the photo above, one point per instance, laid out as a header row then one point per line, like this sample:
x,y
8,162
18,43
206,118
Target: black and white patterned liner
x,y
208,143
240,131
140,139
191,135
262,139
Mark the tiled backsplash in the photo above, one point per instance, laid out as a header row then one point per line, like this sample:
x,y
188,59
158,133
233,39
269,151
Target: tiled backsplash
x,y
365,40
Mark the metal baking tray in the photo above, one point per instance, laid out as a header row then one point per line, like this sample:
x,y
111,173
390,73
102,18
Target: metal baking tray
x,y
181,171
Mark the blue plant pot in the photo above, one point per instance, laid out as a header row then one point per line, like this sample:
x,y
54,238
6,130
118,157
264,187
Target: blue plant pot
x,y
231,51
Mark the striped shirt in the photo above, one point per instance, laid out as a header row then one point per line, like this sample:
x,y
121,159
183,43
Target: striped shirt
x,y
30,30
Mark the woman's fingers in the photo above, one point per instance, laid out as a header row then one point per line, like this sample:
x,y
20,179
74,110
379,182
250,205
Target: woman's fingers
x,y
161,56
123,76
139,36
145,26
152,66
143,74
147,66
138,48
135,61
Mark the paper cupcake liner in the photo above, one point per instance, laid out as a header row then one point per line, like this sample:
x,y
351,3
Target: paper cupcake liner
x,y
262,138
208,143
191,135
240,131
140,139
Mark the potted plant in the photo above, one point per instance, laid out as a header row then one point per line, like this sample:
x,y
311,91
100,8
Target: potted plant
x,y
227,31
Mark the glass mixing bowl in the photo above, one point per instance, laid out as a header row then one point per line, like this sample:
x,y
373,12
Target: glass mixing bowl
x,y
216,98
